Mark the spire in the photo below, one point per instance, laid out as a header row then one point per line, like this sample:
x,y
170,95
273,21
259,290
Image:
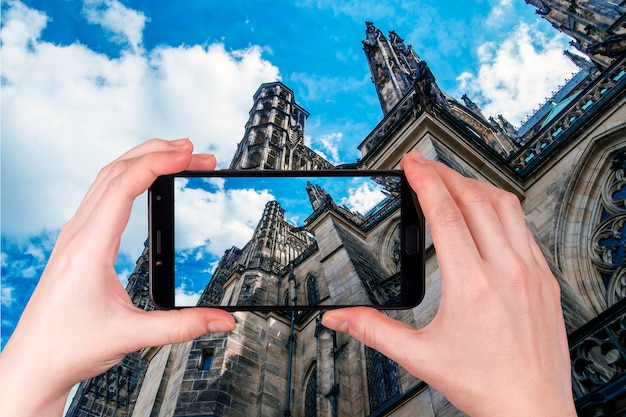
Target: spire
x,y
318,196
392,63
595,25
580,62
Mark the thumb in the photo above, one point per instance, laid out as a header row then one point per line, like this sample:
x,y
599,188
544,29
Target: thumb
x,y
372,327
160,327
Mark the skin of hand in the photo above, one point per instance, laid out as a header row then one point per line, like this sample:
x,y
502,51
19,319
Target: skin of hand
x,y
497,345
80,321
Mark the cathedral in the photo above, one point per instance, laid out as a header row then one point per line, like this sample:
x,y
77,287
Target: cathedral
x,y
566,163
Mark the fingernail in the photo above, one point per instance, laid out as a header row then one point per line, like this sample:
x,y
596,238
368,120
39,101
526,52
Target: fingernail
x,y
220,326
333,322
418,157
179,142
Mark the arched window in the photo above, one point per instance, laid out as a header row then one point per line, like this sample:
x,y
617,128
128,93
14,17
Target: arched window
x,y
382,378
310,396
608,238
259,136
278,120
254,160
312,291
275,137
271,160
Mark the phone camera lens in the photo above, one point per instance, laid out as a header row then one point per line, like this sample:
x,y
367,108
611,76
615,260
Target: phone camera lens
x,y
158,198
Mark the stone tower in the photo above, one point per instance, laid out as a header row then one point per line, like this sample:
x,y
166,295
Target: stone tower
x,y
274,135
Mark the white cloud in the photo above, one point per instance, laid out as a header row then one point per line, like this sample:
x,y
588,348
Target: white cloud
x,y
364,197
499,12
326,145
217,220
186,298
7,296
67,111
514,76
36,252
125,25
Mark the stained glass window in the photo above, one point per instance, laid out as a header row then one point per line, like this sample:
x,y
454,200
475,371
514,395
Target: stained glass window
x,y
313,293
310,397
382,378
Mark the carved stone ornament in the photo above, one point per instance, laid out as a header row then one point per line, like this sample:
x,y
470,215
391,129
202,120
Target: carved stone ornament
x,y
608,239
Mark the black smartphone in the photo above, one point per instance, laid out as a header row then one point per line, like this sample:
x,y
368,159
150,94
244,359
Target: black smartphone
x,y
285,240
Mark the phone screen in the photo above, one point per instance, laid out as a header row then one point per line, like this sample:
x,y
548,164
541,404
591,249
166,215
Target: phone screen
x,y
262,240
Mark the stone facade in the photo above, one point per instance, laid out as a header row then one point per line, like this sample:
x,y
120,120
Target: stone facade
x,y
567,166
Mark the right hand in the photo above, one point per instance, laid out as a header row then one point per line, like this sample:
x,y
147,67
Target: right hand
x,y
497,345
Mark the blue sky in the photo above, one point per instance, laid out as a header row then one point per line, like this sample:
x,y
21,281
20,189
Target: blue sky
x,y
83,81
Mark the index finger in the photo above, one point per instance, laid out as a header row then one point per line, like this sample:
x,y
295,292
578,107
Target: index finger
x,y
106,208
451,236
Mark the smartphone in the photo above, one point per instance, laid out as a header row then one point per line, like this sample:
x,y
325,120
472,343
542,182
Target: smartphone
x,y
285,240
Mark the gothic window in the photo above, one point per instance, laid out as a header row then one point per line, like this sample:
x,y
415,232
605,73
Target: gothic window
x,y
254,160
310,396
278,120
382,378
264,118
312,291
608,239
267,104
259,137
275,138
206,360
271,160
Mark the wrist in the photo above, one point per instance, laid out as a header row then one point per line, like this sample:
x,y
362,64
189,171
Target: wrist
x,y
18,373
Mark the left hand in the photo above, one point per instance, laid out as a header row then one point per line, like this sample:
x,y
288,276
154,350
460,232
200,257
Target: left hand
x,y
80,321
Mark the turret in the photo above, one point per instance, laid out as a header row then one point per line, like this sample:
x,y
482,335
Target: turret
x,y
274,135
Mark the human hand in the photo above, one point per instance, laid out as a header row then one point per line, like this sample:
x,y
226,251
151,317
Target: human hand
x,y
497,345
80,321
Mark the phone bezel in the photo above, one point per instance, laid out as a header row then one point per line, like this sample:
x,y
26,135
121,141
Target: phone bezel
x,y
161,238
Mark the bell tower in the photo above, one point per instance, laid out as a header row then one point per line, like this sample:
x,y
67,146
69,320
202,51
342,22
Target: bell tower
x,y
274,135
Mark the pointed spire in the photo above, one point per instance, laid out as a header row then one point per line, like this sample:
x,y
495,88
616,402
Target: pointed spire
x,y
318,196
580,62
508,128
393,65
593,24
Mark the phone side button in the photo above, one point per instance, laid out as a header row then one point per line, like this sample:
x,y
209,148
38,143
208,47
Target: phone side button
x,y
411,245
158,242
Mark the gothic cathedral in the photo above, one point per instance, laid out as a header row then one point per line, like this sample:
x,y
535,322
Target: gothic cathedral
x,y
566,163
